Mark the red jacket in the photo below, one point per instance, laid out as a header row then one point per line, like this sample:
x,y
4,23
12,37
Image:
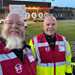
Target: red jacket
x,y
10,64
48,55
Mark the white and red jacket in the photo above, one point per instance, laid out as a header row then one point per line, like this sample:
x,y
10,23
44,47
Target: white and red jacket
x,y
10,64
56,57
46,53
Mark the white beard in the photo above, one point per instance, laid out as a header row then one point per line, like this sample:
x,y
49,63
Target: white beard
x,y
14,42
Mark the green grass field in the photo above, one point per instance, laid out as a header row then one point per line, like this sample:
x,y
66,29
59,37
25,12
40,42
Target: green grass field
x,y
65,27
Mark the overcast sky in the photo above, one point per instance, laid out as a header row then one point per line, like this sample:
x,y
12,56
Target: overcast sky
x,y
63,3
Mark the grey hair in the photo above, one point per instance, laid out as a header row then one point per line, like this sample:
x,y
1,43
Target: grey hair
x,y
50,15
11,13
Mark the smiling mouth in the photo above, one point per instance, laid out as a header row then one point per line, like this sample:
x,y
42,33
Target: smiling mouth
x,y
14,32
50,30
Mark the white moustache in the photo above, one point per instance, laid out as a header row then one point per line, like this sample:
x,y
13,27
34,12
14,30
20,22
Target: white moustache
x,y
15,30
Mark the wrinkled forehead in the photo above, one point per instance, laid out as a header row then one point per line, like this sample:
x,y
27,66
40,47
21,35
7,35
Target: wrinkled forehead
x,y
14,17
50,19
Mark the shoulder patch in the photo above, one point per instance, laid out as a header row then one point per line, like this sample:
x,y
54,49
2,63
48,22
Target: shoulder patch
x,y
4,57
29,55
31,58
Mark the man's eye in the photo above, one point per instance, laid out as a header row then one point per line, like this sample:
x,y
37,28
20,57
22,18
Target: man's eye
x,y
20,24
48,24
53,24
10,23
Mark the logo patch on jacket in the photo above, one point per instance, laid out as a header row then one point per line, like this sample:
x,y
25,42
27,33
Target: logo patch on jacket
x,y
18,68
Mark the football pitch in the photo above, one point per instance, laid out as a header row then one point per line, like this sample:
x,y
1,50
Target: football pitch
x,y
65,27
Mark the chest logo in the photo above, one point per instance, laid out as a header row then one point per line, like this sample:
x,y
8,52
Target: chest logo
x,y
18,68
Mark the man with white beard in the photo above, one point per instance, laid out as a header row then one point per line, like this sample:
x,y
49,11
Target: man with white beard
x,y
15,55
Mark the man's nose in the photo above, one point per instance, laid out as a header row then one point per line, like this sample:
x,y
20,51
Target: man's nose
x,y
14,25
50,25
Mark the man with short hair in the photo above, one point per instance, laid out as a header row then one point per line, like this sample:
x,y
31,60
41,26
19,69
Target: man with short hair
x,y
51,50
15,55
